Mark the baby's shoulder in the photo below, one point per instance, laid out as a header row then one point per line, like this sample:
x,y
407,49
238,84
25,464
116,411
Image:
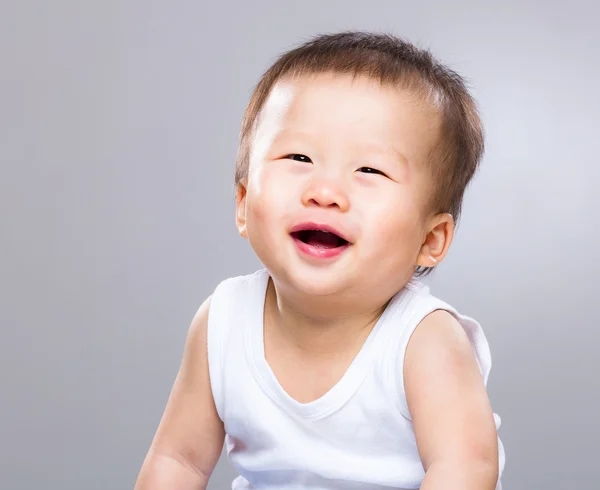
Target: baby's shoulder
x,y
237,297
243,284
433,325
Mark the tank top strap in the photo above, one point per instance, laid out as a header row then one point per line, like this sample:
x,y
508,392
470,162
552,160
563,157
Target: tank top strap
x,y
418,304
228,306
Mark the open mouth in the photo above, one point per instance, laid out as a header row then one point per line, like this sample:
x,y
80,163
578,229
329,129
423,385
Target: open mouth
x,y
320,239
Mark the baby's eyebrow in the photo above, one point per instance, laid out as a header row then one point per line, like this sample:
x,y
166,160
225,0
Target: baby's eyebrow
x,y
295,134
385,150
368,147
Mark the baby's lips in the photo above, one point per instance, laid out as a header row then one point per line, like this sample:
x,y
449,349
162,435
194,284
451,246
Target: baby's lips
x,y
320,226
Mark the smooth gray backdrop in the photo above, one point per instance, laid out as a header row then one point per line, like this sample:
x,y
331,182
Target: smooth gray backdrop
x,y
118,130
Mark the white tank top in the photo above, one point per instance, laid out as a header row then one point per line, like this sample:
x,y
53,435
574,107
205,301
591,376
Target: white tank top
x,y
358,435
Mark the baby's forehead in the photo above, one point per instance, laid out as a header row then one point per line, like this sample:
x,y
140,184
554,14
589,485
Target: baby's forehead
x,y
356,106
313,93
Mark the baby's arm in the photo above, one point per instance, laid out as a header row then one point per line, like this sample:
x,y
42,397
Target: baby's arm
x,y
450,409
189,439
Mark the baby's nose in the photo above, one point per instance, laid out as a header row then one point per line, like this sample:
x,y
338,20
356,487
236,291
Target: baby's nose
x,y
325,193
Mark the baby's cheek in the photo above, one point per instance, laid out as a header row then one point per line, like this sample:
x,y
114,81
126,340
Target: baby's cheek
x,y
394,216
265,210
259,229
396,234
259,214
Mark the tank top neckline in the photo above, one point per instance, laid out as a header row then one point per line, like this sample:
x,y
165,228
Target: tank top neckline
x,y
340,392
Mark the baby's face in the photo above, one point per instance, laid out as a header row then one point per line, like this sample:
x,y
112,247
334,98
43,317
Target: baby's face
x,y
338,185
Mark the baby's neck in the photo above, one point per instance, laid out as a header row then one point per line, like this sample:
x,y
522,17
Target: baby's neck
x,y
318,329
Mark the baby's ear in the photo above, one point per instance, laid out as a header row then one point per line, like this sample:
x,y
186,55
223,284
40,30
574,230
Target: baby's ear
x,y
440,232
240,209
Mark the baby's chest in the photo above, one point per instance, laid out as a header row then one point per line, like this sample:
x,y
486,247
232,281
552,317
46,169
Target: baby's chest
x,y
307,383
256,421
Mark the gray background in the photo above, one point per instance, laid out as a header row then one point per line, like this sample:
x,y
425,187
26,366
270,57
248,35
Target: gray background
x,y
118,131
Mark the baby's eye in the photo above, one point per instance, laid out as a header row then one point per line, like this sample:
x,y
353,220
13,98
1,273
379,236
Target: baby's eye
x,y
299,157
369,170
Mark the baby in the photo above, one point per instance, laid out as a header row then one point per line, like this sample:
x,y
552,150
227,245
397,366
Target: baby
x,y
334,367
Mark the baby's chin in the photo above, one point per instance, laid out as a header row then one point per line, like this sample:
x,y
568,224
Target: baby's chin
x,y
315,282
